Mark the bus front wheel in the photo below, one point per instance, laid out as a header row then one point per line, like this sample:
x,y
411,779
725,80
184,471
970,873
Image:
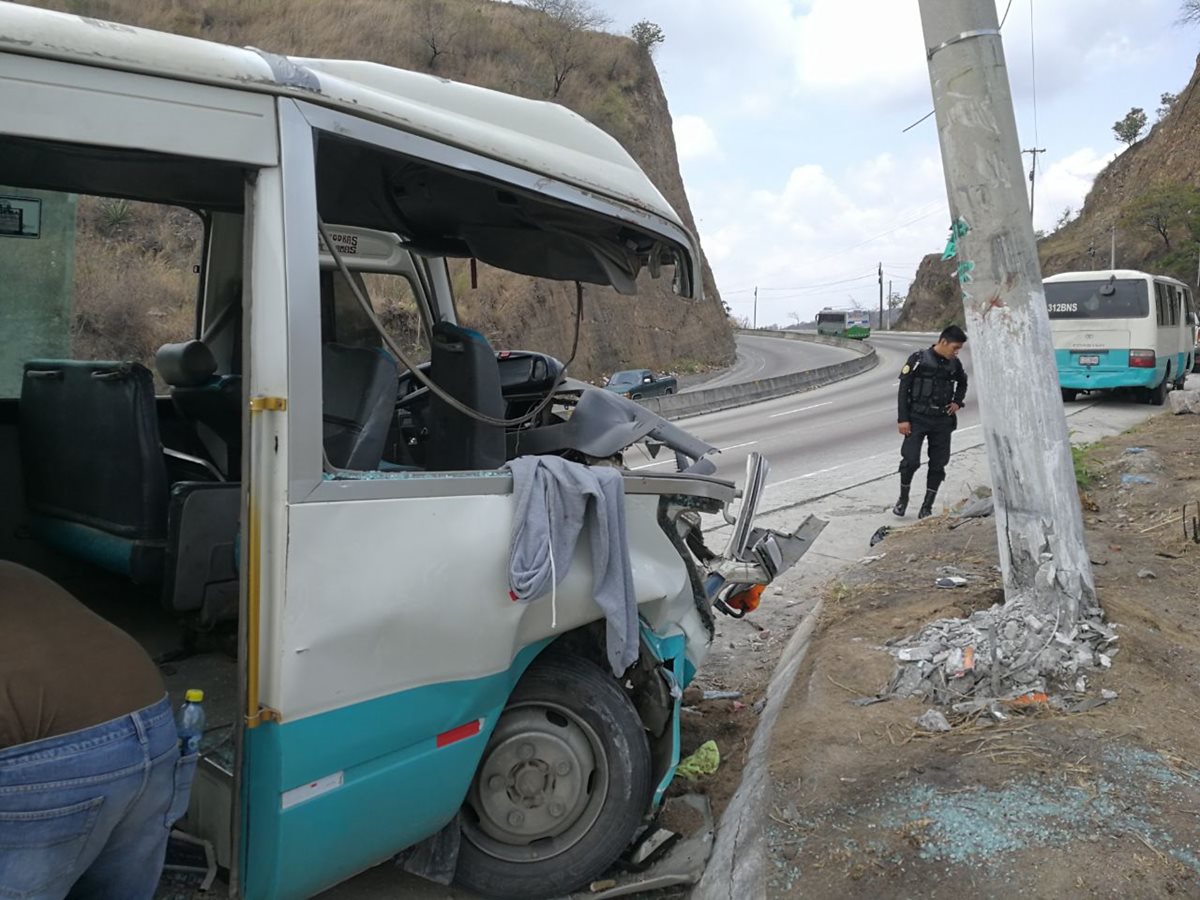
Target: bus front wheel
x,y
562,786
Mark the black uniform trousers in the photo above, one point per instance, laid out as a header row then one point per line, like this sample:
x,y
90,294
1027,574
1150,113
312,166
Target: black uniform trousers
x,y
938,434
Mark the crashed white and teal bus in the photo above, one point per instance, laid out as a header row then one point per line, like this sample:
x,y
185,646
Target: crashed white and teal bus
x,y
295,511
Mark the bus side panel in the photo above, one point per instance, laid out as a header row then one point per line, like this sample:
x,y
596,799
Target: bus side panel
x,y
386,784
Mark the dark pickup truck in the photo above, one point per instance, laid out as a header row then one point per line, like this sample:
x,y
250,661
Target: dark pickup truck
x,y
638,383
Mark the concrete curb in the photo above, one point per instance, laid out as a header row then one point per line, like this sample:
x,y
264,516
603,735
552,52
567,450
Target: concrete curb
x,y
730,396
736,869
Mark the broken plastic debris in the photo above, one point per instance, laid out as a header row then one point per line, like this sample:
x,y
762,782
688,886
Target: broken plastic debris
x,y
1033,698
703,762
1147,573
880,533
721,695
1109,695
1136,479
951,581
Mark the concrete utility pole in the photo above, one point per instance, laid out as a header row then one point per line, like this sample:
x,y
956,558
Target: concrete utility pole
x,y
1038,519
755,322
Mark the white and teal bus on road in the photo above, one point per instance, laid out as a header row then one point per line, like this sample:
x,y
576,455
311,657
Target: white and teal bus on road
x,y
1121,328
844,323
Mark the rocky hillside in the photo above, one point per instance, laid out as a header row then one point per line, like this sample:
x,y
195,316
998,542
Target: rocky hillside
x,y
1150,196
606,78
933,298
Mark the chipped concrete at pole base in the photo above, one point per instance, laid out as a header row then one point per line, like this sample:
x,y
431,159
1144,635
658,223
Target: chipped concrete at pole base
x,y
1000,654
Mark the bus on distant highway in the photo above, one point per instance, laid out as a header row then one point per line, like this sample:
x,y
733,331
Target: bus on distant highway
x,y
844,323
1121,329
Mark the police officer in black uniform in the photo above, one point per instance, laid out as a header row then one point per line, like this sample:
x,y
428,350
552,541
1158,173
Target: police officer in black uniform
x,y
933,385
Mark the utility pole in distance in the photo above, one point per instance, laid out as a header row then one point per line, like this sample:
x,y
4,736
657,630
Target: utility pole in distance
x,y
1038,519
755,322
1033,151
880,297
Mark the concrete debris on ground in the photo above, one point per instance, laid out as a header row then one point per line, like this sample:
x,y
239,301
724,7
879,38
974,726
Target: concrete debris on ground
x,y
979,508
999,655
933,720
1180,402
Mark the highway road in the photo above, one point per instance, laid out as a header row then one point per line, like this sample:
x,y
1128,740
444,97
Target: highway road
x,y
838,436
810,436
766,357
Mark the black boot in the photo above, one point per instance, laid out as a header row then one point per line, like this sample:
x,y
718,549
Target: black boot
x,y
901,506
927,507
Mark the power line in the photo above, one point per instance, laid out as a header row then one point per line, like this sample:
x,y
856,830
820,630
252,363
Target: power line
x,y
1033,66
824,284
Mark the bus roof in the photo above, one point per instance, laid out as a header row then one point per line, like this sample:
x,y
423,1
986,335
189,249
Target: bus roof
x,y
544,138
1105,274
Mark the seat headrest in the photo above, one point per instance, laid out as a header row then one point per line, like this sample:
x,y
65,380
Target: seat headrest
x,y
186,364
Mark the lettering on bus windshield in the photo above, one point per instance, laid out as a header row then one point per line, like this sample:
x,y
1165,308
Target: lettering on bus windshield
x,y
1124,299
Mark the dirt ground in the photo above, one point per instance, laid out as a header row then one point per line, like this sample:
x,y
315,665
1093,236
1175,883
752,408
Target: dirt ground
x,y
1102,803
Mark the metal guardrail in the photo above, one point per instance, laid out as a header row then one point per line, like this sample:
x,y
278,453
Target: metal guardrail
x,y
730,396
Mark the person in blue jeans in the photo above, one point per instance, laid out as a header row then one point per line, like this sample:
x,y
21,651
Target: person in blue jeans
x,y
91,779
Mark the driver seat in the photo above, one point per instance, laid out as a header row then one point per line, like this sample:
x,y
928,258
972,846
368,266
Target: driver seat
x,y
359,386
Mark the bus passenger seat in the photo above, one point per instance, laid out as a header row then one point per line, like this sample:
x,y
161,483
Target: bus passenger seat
x,y
212,403
95,478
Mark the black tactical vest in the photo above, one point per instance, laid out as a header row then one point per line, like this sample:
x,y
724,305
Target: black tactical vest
x,y
932,385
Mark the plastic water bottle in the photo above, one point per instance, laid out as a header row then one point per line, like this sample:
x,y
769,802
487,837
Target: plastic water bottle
x,y
189,723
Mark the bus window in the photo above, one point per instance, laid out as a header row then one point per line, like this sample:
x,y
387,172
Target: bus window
x,y
1116,299
95,278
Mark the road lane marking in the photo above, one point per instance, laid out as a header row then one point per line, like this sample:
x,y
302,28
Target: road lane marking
x,y
670,460
830,469
801,409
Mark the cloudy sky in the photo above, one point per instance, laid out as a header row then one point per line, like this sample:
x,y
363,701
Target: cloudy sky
x,y
790,117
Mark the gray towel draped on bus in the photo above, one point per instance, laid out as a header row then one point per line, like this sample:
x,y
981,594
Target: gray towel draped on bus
x,y
555,500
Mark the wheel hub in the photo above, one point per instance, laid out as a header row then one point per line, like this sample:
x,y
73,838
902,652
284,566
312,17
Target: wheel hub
x,y
543,779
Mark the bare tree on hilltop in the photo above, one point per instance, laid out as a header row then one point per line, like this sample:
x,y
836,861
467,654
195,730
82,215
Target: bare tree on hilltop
x,y
435,29
558,34
1189,12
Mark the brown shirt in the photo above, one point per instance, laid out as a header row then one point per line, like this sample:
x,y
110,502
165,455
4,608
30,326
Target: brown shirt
x,y
62,667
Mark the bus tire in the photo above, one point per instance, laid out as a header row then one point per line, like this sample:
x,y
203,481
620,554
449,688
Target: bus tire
x,y
1069,395
561,788
1157,396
